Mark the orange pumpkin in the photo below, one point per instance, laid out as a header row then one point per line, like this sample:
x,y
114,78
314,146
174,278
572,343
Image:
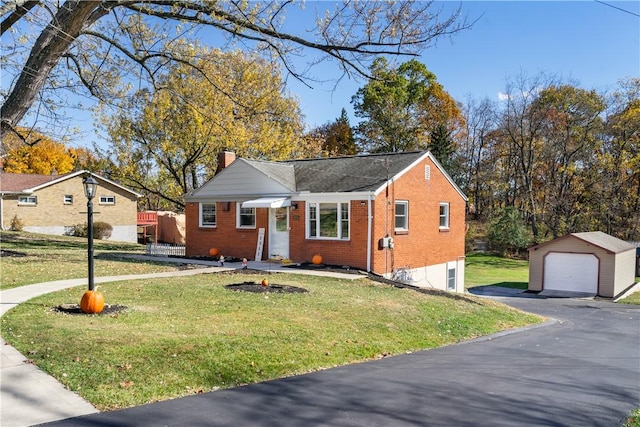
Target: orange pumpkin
x,y
265,282
92,302
317,259
214,251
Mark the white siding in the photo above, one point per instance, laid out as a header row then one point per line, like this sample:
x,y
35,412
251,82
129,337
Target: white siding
x,y
237,182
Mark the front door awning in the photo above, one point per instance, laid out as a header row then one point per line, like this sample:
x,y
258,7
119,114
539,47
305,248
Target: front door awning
x,y
267,202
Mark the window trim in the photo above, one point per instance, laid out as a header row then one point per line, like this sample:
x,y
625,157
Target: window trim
x,y
201,216
67,199
239,214
446,216
28,200
404,203
340,220
104,200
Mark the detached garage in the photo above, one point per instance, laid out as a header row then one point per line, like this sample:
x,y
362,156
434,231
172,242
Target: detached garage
x,y
588,264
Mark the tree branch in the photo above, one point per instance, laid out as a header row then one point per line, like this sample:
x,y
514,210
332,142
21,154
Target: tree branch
x,y
22,7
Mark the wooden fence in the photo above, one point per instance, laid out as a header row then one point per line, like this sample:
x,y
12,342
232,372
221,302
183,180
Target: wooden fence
x,y
161,249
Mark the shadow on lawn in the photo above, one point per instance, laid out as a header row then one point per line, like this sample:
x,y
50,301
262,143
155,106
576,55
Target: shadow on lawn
x,y
28,241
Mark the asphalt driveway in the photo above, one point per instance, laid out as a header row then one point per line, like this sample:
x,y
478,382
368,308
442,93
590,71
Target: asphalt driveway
x,y
581,369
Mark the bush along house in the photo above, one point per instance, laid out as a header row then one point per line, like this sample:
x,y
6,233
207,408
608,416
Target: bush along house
x,y
399,215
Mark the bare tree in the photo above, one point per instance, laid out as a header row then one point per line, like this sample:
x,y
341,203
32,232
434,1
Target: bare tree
x,y
100,48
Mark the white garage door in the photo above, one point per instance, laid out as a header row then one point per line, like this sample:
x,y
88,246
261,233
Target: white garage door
x,y
571,272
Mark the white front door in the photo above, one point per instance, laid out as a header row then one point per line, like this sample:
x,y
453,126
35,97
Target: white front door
x,y
279,233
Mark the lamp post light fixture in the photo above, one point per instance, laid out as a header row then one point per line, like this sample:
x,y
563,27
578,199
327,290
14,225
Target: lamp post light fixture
x,y
90,187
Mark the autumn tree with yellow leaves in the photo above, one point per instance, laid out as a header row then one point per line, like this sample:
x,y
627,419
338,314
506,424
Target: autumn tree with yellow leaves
x,y
42,155
165,143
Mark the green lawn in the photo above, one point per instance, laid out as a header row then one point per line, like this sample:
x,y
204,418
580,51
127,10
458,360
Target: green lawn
x,y
185,335
487,269
44,258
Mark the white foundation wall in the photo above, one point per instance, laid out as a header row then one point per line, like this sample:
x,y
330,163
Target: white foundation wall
x,y
120,233
431,276
124,233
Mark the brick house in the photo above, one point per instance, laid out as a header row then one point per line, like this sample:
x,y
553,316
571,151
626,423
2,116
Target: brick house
x,y
52,204
399,215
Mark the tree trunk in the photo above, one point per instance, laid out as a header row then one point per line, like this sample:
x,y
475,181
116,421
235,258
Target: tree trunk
x,y
54,42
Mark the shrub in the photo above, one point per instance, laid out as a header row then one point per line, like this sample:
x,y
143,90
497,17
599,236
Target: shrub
x,y
16,224
101,230
78,230
508,232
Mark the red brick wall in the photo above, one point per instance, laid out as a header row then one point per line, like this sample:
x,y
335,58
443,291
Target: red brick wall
x,y
425,243
352,252
229,240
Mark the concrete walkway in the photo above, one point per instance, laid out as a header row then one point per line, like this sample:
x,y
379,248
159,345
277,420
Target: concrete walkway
x,y
28,396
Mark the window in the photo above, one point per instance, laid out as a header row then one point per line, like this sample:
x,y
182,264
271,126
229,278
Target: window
x,y
27,200
402,215
444,215
107,200
451,276
68,199
328,220
246,217
207,214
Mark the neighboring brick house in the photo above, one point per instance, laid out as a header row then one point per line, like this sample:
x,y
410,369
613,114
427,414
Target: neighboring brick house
x,y
399,215
52,204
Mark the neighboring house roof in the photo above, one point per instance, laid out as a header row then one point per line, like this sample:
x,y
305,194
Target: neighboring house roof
x,y
23,183
18,183
349,174
596,238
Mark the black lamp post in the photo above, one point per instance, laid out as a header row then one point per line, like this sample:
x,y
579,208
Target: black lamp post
x,y
90,187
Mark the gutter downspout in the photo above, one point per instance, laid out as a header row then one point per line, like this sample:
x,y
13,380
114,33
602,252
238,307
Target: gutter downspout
x,y
369,234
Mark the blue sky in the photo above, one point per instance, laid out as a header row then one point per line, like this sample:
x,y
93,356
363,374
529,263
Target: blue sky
x,y
592,44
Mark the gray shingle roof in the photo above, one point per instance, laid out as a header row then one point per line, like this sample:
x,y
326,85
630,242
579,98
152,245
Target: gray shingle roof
x,y
351,173
280,172
604,241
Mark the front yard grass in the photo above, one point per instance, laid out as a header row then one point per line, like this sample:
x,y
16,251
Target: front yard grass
x,y
187,335
43,258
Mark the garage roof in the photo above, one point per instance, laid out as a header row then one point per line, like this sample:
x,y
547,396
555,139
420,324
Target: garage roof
x,y
605,241
599,239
